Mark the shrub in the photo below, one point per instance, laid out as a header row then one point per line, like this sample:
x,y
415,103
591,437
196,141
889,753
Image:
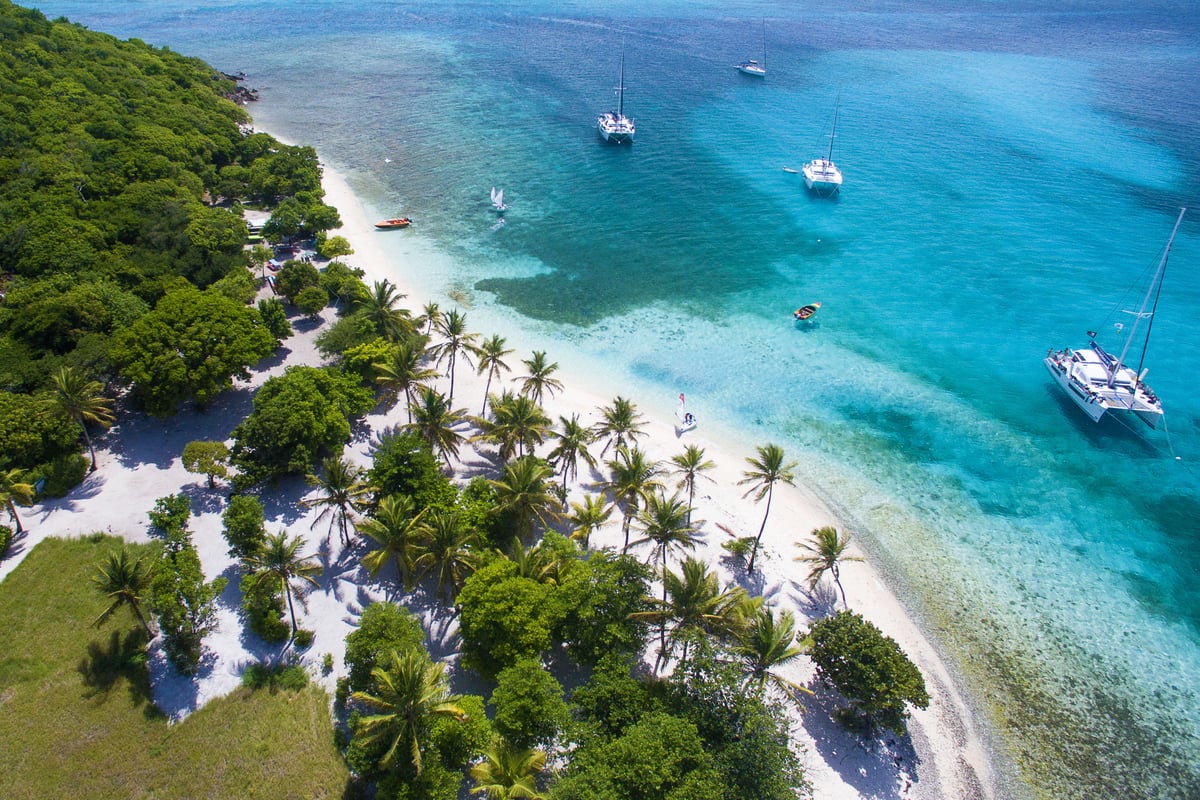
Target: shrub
x,y
244,527
170,514
327,664
61,475
184,603
6,534
383,627
291,677
303,639
264,610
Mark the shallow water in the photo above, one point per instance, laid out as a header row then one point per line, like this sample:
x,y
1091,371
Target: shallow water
x,y
1010,176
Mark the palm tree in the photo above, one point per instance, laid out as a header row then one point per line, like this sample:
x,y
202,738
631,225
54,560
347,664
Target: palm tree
x,y
765,471
695,604
403,373
508,772
410,692
664,521
379,307
342,493
396,528
444,547
588,516
571,447
124,580
619,422
537,563
434,421
826,552
491,360
688,465
15,492
455,342
523,492
539,380
73,395
767,642
279,559
517,426
634,478
430,314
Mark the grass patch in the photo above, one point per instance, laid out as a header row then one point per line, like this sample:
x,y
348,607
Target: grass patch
x,y
78,719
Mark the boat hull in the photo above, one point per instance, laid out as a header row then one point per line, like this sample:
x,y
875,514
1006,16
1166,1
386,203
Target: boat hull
x,y
1076,376
615,130
752,68
822,177
1087,403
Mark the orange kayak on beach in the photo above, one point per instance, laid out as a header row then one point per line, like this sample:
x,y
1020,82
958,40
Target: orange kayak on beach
x,y
399,222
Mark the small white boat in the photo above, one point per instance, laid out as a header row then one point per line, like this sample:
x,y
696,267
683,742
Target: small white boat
x,y
498,199
821,175
684,419
614,126
1099,382
758,69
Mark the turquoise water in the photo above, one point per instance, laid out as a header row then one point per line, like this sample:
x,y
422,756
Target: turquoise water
x,y
1011,173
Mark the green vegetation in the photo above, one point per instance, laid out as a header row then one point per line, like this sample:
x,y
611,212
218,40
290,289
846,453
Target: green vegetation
x,y
77,704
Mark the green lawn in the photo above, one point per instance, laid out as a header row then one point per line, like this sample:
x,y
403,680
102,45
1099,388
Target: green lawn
x,y
76,718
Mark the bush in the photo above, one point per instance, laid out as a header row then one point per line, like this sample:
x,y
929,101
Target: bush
x,y
244,529
264,610
291,677
327,664
740,547
170,514
61,475
6,534
303,639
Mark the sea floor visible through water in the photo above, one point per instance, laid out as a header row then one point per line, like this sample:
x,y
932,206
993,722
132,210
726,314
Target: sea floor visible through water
x,y
1010,176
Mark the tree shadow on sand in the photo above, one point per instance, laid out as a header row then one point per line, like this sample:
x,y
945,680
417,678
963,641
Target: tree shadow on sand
x,y
121,659
885,765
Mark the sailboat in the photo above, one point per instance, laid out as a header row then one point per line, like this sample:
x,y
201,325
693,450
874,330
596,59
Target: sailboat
x,y
684,419
498,199
756,68
614,126
821,175
1099,382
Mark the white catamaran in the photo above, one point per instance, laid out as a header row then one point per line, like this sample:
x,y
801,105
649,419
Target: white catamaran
x,y
821,175
614,126
1099,382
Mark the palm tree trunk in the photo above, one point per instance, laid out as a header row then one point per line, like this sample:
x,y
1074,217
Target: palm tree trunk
x,y
761,528
837,579
287,590
486,388
12,509
88,440
137,611
691,500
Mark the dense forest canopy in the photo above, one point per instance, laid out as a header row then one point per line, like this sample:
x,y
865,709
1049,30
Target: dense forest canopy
x,y
123,173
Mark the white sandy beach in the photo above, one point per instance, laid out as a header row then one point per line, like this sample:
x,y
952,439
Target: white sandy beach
x,y
139,461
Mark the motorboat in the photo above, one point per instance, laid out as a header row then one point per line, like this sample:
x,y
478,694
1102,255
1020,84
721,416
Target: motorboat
x,y
807,312
388,224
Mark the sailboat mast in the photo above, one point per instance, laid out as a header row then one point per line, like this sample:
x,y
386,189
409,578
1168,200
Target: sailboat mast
x,y
1154,284
832,133
621,88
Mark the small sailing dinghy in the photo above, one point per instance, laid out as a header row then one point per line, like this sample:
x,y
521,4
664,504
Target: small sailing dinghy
x,y
1099,382
684,419
498,199
807,312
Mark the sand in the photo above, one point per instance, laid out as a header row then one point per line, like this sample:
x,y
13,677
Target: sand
x,y
945,755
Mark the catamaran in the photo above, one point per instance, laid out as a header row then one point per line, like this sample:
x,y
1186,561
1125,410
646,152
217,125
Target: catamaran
x,y
614,126
756,68
821,175
1099,382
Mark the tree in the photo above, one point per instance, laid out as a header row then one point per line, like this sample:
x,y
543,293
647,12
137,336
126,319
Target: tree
x,y
382,628
517,426
491,355
331,247
695,604
587,517
633,478
571,448
380,308
529,704
125,580
444,548
183,602
73,395
767,642
508,772
206,458
867,668
295,277
664,522
395,527
539,381
410,691
274,317
297,418
505,618
244,527
279,559
191,345
766,470
523,492
619,422
602,594
431,314
311,300
341,492
826,553
688,466
455,342
403,374
14,492
434,420
403,463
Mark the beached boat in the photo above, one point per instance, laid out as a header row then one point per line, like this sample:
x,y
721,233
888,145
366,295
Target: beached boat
x,y
758,69
684,419
498,199
1099,382
821,175
614,126
806,312
388,224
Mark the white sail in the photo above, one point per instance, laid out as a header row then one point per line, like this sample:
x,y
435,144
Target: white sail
x,y
498,199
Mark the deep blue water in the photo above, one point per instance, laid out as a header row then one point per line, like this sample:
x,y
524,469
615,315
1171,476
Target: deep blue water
x,y
1011,174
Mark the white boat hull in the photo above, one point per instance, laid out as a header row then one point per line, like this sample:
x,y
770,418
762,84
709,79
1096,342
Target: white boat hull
x,y
615,129
752,67
1077,376
822,176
